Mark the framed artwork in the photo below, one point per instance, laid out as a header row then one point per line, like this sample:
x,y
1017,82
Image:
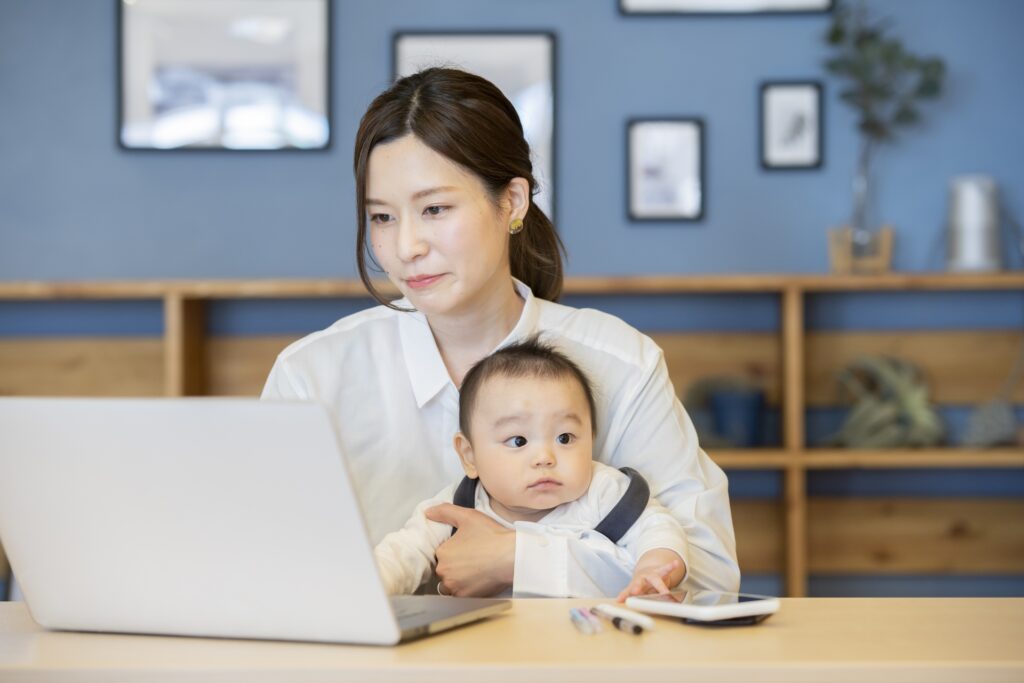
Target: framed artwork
x,y
224,74
713,7
791,125
665,159
521,64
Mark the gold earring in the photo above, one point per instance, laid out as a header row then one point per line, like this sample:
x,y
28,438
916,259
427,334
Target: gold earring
x,y
515,227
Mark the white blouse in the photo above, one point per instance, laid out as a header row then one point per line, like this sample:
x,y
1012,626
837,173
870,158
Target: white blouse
x,y
381,375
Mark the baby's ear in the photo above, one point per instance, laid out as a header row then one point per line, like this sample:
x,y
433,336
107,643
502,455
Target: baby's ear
x,y
465,450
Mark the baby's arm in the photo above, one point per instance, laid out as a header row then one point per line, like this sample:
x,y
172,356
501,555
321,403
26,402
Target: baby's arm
x,y
405,558
658,541
560,559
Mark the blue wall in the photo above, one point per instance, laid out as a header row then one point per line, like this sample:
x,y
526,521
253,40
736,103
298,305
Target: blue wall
x,y
75,206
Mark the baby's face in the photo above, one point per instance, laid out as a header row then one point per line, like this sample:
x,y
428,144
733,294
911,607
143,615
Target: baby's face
x,y
532,444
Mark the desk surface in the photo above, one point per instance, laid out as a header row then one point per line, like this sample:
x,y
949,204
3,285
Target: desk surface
x,y
809,639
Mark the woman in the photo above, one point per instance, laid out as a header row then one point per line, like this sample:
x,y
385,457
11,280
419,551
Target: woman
x,y
443,194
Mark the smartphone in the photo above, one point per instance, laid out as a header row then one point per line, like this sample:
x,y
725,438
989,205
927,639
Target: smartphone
x,y
708,607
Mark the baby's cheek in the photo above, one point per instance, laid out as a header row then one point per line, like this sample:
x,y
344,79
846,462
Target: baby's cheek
x,y
579,490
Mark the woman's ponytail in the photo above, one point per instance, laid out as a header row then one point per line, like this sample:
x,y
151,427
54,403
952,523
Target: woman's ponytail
x,y
536,254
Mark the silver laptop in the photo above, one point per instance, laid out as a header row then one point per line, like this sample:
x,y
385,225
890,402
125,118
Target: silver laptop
x,y
203,517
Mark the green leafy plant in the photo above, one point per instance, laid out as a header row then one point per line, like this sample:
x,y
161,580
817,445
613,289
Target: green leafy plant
x,y
883,82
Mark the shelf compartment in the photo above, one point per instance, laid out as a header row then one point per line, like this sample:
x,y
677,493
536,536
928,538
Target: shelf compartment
x,y
840,458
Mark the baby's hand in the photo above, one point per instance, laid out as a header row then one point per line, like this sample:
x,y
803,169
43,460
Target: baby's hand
x,y
656,571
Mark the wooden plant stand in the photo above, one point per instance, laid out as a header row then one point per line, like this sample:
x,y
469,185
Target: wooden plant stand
x,y
844,262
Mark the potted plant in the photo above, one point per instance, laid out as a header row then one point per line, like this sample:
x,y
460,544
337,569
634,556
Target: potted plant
x,y
884,83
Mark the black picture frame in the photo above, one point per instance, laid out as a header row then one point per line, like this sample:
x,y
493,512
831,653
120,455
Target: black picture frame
x,y
662,184
728,8
131,142
791,125
451,50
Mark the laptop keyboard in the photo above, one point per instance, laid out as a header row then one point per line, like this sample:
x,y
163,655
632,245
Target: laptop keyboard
x,y
405,607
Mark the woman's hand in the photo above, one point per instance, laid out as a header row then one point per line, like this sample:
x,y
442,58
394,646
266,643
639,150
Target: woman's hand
x,y
655,572
478,561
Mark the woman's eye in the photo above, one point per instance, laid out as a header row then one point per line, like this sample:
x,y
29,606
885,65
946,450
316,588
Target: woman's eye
x,y
435,210
516,441
566,439
378,218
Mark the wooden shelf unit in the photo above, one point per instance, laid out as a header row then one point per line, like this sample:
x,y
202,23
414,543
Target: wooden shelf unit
x,y
186,356
838,458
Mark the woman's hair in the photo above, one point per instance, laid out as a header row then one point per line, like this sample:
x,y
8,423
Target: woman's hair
x,y
527,358
467,119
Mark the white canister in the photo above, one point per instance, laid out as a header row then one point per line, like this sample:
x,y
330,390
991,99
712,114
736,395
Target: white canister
x,y
973,230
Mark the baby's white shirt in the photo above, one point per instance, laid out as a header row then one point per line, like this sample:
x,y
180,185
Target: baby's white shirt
x,y
406,557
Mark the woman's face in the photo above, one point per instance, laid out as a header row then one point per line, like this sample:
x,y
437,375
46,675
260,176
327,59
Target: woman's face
x,y
434,228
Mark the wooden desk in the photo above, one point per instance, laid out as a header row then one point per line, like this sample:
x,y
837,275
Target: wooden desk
x,y
810,639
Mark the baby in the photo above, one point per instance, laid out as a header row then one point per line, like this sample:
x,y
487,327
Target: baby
x,y
527,434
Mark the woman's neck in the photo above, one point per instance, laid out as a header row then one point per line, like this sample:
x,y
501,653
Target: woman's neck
x,y
464,338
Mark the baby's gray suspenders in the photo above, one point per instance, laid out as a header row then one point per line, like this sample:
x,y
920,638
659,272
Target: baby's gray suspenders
x,y
615,524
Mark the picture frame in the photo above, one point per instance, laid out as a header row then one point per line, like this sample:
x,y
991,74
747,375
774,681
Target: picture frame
x,y
791,125
665,169
520,63
231,75
725,7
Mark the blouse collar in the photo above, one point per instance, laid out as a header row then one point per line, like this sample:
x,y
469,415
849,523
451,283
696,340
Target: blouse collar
x,y
427,371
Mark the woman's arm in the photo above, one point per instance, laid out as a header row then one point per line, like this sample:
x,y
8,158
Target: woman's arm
x,y
656,437
281,384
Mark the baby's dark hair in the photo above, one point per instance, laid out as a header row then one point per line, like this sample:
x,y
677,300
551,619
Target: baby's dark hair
x,y
528,358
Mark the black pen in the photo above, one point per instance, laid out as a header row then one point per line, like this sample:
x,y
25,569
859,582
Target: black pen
x,y
619,622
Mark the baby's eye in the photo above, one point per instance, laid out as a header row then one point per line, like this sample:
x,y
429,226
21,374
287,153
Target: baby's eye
x,y
435,210
378,218
565,439
516,441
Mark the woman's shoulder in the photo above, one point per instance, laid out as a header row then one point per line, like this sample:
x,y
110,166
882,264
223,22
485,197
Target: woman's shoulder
x,y
599,333
369,327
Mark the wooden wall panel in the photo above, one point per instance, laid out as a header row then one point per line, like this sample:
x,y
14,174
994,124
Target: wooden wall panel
x,y
916,536
870,536
81,366
239,366
692,356
759,540
960,367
